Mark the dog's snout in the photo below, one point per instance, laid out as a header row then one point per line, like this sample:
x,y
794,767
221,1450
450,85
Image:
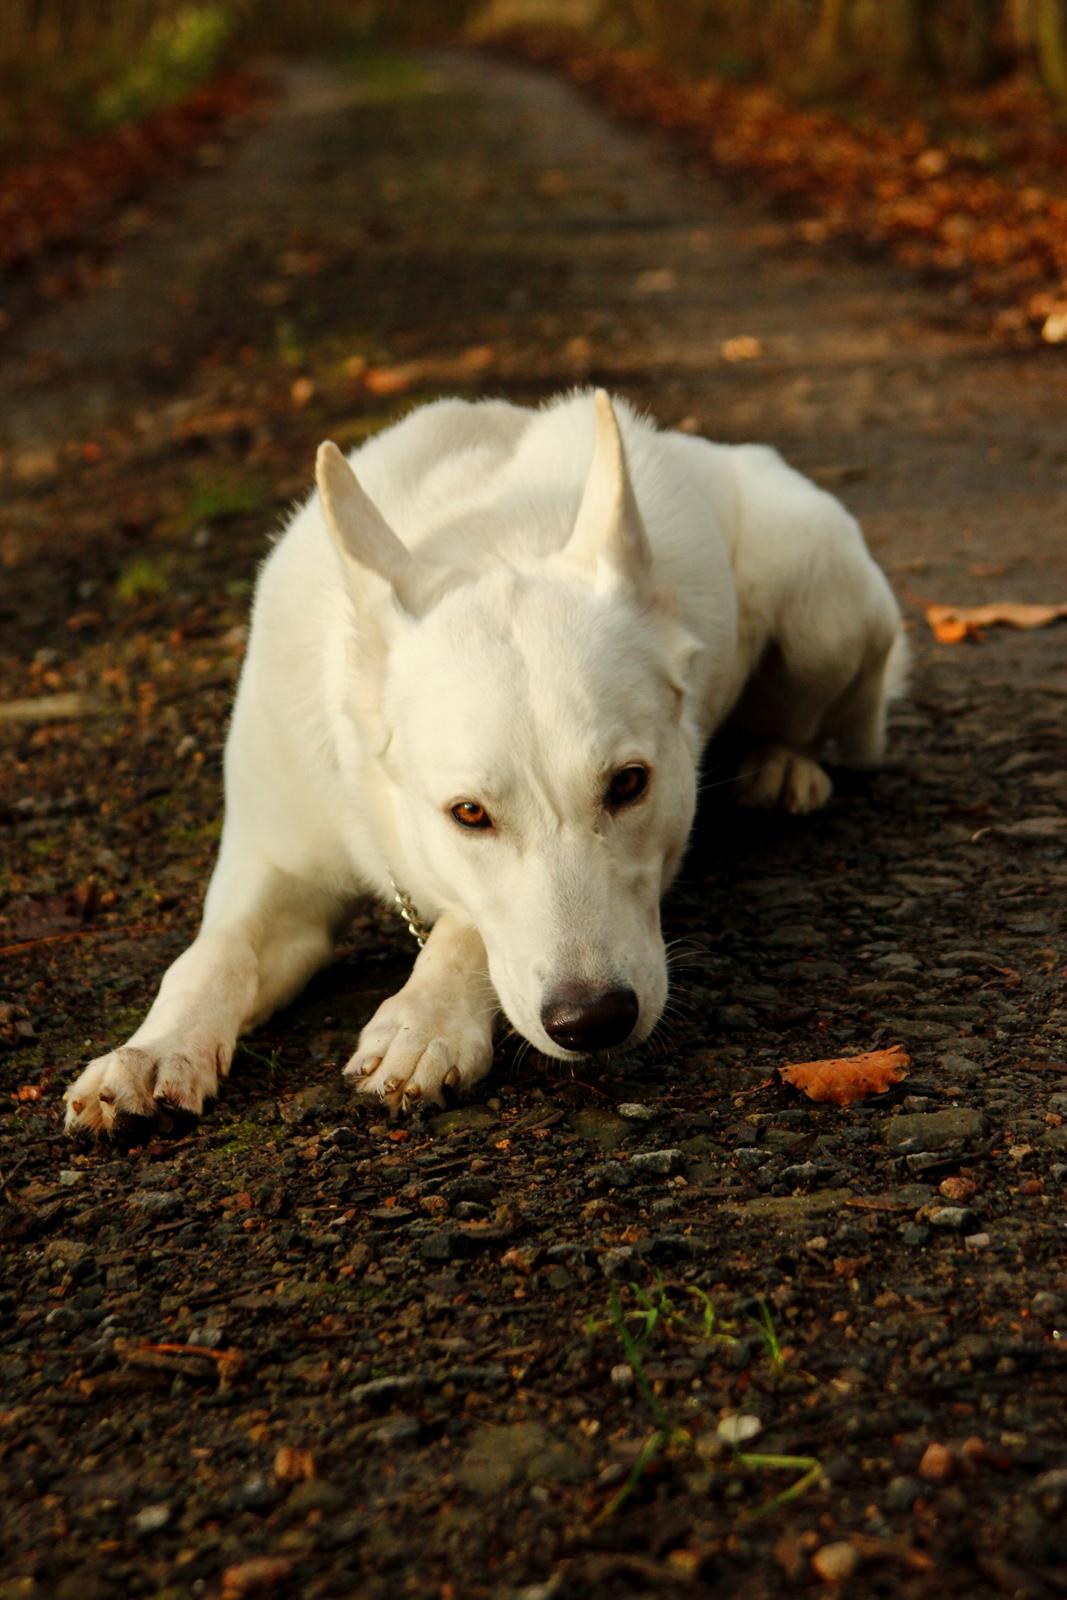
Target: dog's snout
x,y
579,1018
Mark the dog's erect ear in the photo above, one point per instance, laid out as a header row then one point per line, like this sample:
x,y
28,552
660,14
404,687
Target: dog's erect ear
x,y
364,540
609,540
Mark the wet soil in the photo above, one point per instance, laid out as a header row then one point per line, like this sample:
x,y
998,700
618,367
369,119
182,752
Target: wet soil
x,y
506,1350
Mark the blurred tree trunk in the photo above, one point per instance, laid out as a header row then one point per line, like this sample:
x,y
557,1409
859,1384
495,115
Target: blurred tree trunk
x,y
916,56
979,57
829,45
1050,39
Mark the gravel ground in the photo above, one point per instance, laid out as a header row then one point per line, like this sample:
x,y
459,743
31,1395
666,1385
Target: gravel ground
x,y
649,1328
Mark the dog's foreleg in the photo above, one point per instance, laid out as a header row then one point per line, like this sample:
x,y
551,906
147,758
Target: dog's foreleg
x,y
437,1033
264,933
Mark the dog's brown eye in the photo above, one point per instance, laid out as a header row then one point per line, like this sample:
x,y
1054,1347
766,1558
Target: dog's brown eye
x,y
628,785
469,814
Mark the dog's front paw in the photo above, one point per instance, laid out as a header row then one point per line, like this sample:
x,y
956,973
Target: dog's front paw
x,y
139,1083
775,778
416,1045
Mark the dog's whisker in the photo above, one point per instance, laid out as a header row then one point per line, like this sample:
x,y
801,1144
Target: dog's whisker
x,y
738,777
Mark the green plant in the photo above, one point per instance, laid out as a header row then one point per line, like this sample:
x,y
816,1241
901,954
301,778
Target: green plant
x,y
215,498
769,1337
180,51
635,1327
143,578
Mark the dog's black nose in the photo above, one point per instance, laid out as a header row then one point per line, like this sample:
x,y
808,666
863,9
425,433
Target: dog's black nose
x,y
581,1019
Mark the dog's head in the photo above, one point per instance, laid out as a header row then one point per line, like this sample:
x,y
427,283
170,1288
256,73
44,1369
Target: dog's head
x,y
537,728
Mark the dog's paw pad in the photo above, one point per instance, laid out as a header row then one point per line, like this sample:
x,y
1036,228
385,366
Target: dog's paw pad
x,y
775,778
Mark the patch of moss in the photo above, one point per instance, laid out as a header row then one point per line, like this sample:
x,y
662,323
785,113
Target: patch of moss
x,y
227,494
144,578
243,1136
387,74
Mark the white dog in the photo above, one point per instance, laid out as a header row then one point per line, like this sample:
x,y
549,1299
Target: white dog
x,y
495,715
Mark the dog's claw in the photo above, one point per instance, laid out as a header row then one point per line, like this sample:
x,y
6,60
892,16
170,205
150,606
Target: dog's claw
x,y
361,1067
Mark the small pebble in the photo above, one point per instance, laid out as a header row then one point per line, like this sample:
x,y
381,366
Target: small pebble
x,y
957,1189
661,1162
1051,1487
151,1518
975,1453
901,1493
738,1428
936,1464
955,1219
977,1241
617,1264
206,1338
622,1375
292,1465
634,1111
835,1562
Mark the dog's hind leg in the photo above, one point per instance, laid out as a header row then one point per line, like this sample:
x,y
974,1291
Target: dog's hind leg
x,y
437,1033
799,717
782,710
263,935
857,722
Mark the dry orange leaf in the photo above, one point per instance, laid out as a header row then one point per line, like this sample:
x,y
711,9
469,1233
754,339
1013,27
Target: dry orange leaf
x,y
950,624
842,1080
394,380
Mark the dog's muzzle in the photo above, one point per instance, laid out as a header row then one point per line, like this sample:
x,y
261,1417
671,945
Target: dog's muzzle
x,y
582,1019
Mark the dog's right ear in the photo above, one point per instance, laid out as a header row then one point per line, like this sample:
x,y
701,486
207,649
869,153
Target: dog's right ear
x,y
609,543
364,540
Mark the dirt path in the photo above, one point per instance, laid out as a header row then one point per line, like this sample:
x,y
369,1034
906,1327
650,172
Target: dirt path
x,y
444,1316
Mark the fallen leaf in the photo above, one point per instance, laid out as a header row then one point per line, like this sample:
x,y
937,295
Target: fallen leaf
x,y
478,358
394,380
951,624
743,348
657,280
257,1576
842,1080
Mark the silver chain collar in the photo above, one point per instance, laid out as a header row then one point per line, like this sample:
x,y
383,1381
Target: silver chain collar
x,y
407,908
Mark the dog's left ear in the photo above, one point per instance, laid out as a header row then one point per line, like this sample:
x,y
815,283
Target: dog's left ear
x,y
609,543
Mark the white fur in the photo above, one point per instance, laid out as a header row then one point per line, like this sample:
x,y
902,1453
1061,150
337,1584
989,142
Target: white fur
x,y
507,608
